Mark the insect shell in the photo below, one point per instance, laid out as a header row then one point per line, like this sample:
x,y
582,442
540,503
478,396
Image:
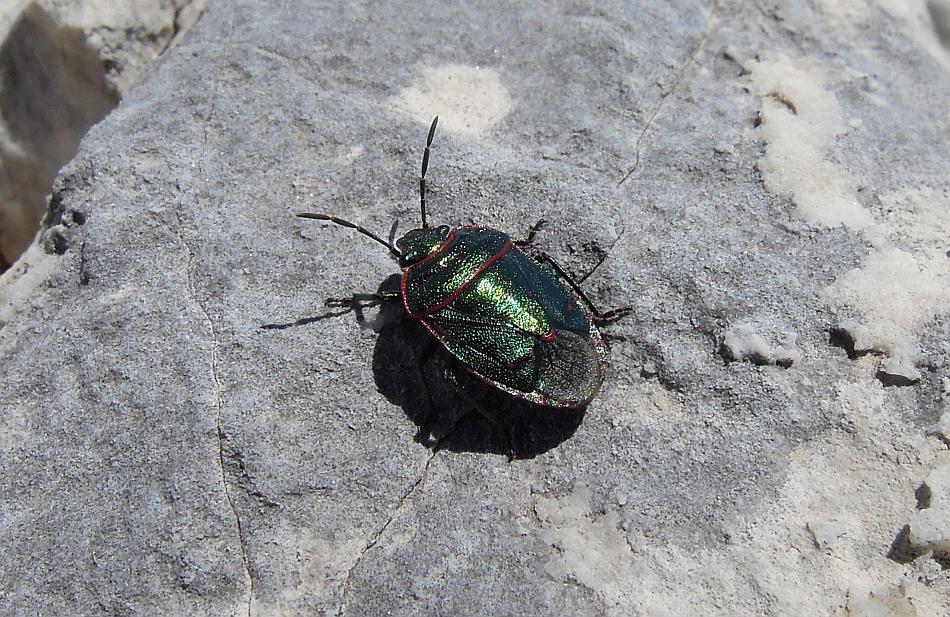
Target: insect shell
x,y
505,317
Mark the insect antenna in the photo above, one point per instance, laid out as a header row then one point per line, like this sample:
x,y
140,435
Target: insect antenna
x,y
344,223
422,176
392,233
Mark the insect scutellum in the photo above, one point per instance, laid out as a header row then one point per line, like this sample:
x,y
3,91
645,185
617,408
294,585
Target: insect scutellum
x,y
415,244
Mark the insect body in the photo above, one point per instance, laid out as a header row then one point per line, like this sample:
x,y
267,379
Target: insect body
x,y
506,317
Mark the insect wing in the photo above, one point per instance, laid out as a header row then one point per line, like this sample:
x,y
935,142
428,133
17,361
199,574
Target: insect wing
x,y
570,363
495,350
433,281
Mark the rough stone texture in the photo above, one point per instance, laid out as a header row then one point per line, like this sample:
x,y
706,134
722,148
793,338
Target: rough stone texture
x,y
162,453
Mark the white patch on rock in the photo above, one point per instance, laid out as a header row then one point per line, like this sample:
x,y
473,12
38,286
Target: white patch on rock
x,y
826,532
897,294
591,548
302,565
800,119
899,290
769,564
760,344
468,100
930,527
642,401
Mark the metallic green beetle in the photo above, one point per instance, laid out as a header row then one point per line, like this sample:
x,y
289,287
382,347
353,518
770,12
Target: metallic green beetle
x,y
508,319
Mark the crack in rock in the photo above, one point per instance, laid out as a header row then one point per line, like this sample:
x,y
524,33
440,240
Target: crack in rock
x,y
219,432
710,21
405,500
83,272
606,255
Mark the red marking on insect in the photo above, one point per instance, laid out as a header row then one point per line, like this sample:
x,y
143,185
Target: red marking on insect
x,y
550,336
570,307
509,365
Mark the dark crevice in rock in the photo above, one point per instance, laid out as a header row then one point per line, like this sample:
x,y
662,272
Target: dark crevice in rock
x,y
924,496
83,272
843,338
894,380
901,550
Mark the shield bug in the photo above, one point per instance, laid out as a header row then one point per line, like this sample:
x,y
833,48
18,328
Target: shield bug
x,y
520,323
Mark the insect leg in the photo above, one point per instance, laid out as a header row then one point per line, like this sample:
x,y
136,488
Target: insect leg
x,y
425,167
526,243
489,415
600,318
364,300
427,434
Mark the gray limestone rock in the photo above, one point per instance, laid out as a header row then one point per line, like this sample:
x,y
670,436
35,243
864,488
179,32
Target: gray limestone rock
x,y
186,428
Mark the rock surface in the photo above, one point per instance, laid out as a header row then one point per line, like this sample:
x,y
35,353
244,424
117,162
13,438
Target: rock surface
x,y
162,453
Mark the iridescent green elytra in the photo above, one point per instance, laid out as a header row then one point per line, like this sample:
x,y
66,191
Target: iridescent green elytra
x,y
507,318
